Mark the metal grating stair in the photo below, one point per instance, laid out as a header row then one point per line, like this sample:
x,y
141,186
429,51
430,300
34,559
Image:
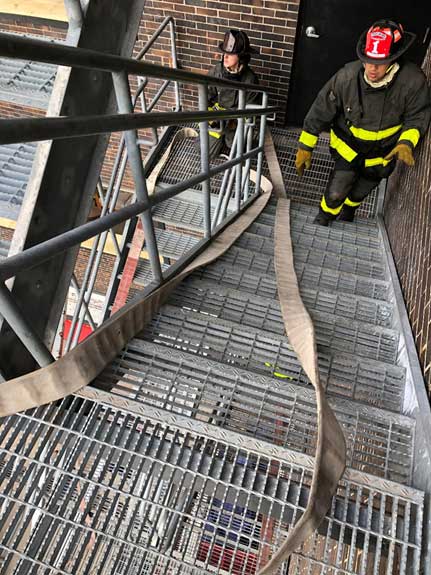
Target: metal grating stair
x,y
192,452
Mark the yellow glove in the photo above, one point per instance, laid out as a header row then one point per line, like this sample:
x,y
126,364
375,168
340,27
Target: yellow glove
x,y
303,160
402,152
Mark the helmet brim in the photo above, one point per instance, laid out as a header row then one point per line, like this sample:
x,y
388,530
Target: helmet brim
x,y
408,40
249,51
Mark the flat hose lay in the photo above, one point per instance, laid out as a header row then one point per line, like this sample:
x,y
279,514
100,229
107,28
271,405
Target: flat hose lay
x,y
79,367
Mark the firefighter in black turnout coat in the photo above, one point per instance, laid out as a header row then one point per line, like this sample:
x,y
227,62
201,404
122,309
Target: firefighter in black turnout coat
x,y
376,109
234,65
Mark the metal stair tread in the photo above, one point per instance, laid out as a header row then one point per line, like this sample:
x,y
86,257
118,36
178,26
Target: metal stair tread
x,y
352,306
333,332
252,241
262,263
360,379
260,406
192,459
300,226
309,276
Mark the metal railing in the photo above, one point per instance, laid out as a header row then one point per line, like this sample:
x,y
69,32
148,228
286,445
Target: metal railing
x,y
24,130
110,198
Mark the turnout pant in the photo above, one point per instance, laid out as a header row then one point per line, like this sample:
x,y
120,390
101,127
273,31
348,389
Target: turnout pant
x,y
347,189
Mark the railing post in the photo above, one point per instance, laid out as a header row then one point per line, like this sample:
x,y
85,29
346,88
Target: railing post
x,y
205,162
240,150
13,316
175,62
261,142
246,185
122,92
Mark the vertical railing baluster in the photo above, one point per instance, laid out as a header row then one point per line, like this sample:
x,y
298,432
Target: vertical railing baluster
x,y
122,92
205,161
261,142
240,150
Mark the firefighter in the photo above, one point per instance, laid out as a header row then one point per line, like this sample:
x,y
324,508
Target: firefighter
x,y
233,65
376,109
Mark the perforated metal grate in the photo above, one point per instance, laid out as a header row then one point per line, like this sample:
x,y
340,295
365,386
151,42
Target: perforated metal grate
x,y
308,277
95,487
263,407
246,347
348,306
260,263
334,332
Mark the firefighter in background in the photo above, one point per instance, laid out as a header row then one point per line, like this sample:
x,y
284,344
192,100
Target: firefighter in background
x,y
376,110
234,65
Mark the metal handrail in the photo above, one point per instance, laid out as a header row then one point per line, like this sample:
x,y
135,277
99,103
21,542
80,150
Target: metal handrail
x,y
53,53
54,128
39,129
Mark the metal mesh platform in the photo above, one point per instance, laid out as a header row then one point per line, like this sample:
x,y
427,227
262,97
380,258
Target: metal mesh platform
x,y
98,487
333,332
266,408
375,383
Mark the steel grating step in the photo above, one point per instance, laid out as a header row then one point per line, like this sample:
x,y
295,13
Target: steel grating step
x,y
95,483
144,274
356,308
261,263
263,245
310,210
361,379
333,332
299,227
318,280
378,442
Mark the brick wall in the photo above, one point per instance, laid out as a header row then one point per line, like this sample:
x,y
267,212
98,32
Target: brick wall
x,y
200,24
408,219
13,24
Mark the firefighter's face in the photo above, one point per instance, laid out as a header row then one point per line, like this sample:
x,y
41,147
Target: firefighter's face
x,y
230,60
376,72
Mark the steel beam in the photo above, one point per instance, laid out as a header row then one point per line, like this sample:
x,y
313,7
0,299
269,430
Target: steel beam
x,y
64,178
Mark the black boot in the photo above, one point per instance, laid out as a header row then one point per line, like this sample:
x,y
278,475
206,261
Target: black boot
x,y
323,218
347,214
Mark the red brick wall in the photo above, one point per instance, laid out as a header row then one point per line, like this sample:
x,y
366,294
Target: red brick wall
x,y
200,24
10,23
408,220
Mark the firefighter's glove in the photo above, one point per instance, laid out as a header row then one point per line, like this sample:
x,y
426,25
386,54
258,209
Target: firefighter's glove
x,y
402,152
302,161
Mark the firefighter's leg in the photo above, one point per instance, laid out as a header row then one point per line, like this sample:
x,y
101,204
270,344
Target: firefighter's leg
x,y
216,144
361,189
339,187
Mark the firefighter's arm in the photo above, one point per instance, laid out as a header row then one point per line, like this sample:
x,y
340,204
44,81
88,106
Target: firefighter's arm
x,y
416,121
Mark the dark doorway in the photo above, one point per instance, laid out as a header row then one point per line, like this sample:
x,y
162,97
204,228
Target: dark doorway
x,y
338,24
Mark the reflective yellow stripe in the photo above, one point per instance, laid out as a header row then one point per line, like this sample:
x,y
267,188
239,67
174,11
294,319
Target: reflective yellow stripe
x,y
352,204
308,139
333,211
370,135
277,373
412,136
342,148
376,162
216,135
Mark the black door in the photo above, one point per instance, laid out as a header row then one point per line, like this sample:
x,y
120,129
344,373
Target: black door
x,y
338,25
